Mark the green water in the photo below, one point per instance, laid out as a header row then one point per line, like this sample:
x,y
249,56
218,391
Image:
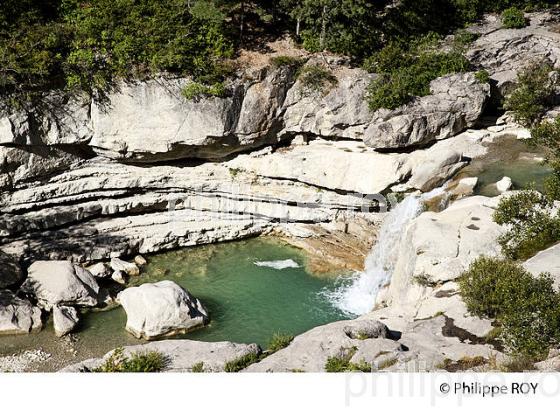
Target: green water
x,y
507,157
246,303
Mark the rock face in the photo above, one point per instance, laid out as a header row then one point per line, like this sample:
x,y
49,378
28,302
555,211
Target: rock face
x,y
17,316
456,103
161,309
65,319
61,283
183,355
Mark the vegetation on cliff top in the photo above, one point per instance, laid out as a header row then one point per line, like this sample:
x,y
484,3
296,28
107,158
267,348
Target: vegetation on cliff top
x,y
78,45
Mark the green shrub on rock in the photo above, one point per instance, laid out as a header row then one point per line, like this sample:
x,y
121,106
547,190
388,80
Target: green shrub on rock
x,y
527,307
532,222
513,18
316,79
196,90
534,94
279,341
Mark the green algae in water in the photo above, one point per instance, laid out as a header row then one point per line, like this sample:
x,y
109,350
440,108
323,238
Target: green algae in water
x,y
247,303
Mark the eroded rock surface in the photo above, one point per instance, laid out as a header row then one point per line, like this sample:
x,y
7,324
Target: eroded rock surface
x,y
17,316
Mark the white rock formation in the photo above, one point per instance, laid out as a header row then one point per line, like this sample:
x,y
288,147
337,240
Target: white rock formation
x,y
161,309
504,184
65,319
61,283
17,316
131,269
99,270
546,261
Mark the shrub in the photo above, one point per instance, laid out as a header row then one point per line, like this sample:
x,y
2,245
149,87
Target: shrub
x,y
534,93
137,362
513,18
527,307
482,76
196,90
279,341
316,78
241,363
532,223
465,37
341,363
398,86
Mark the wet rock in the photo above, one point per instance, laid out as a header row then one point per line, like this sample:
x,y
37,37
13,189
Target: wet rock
x,y
161,309
17,316
61,283
65,319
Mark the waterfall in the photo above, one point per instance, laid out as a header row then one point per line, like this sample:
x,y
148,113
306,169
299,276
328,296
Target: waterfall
x,y
357,296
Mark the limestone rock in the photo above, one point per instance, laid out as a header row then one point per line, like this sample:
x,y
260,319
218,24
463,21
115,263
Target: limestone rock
x,y
183,355
17,316
61,282
455,103
504,184
99,270
119,277
140,260
161,309
131,269
65,319
546,261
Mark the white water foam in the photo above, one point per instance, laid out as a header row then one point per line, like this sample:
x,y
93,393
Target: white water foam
x,y
357,295
279,264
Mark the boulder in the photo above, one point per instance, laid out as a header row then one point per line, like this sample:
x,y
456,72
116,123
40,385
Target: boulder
x,y
17,316
161,309
119,277
65,319
10,270
546,261
61,282
99,270
131,269
140,260
456,102
504,184
182,355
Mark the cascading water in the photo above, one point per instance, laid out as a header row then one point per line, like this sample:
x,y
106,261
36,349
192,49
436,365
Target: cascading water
x,y
357,296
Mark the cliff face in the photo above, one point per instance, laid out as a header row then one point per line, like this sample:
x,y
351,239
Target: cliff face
x,y
90,179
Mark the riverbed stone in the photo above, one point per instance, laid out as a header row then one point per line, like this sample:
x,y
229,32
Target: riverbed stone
x,y
131,269
17,316
65,319
504,184
99,270
61,282
161,309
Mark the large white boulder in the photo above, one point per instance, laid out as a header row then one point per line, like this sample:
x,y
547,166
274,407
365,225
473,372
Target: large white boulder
x,y
61,282
17,316
504,184
161,309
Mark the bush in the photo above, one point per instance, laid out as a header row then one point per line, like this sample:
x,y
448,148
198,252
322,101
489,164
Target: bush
x,y
196,90
137,362
482,76
527,307
279,341
316,78
534,93
513,18
410,77
532,222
